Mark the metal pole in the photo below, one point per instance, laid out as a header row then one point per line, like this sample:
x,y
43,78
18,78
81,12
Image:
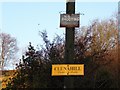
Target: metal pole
x,y
69,44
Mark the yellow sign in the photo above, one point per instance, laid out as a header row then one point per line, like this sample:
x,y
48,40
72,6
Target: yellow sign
x,y
67,69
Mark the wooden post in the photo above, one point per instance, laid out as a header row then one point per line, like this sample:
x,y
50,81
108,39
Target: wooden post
x,y
69,44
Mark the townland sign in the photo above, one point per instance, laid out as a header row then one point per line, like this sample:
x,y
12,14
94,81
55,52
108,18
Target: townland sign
x,y
67,69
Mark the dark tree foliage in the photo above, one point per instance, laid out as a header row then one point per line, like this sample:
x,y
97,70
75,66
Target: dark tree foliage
x,y
34,70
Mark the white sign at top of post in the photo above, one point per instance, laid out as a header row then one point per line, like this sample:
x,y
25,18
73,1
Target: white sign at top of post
x,y
69,20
